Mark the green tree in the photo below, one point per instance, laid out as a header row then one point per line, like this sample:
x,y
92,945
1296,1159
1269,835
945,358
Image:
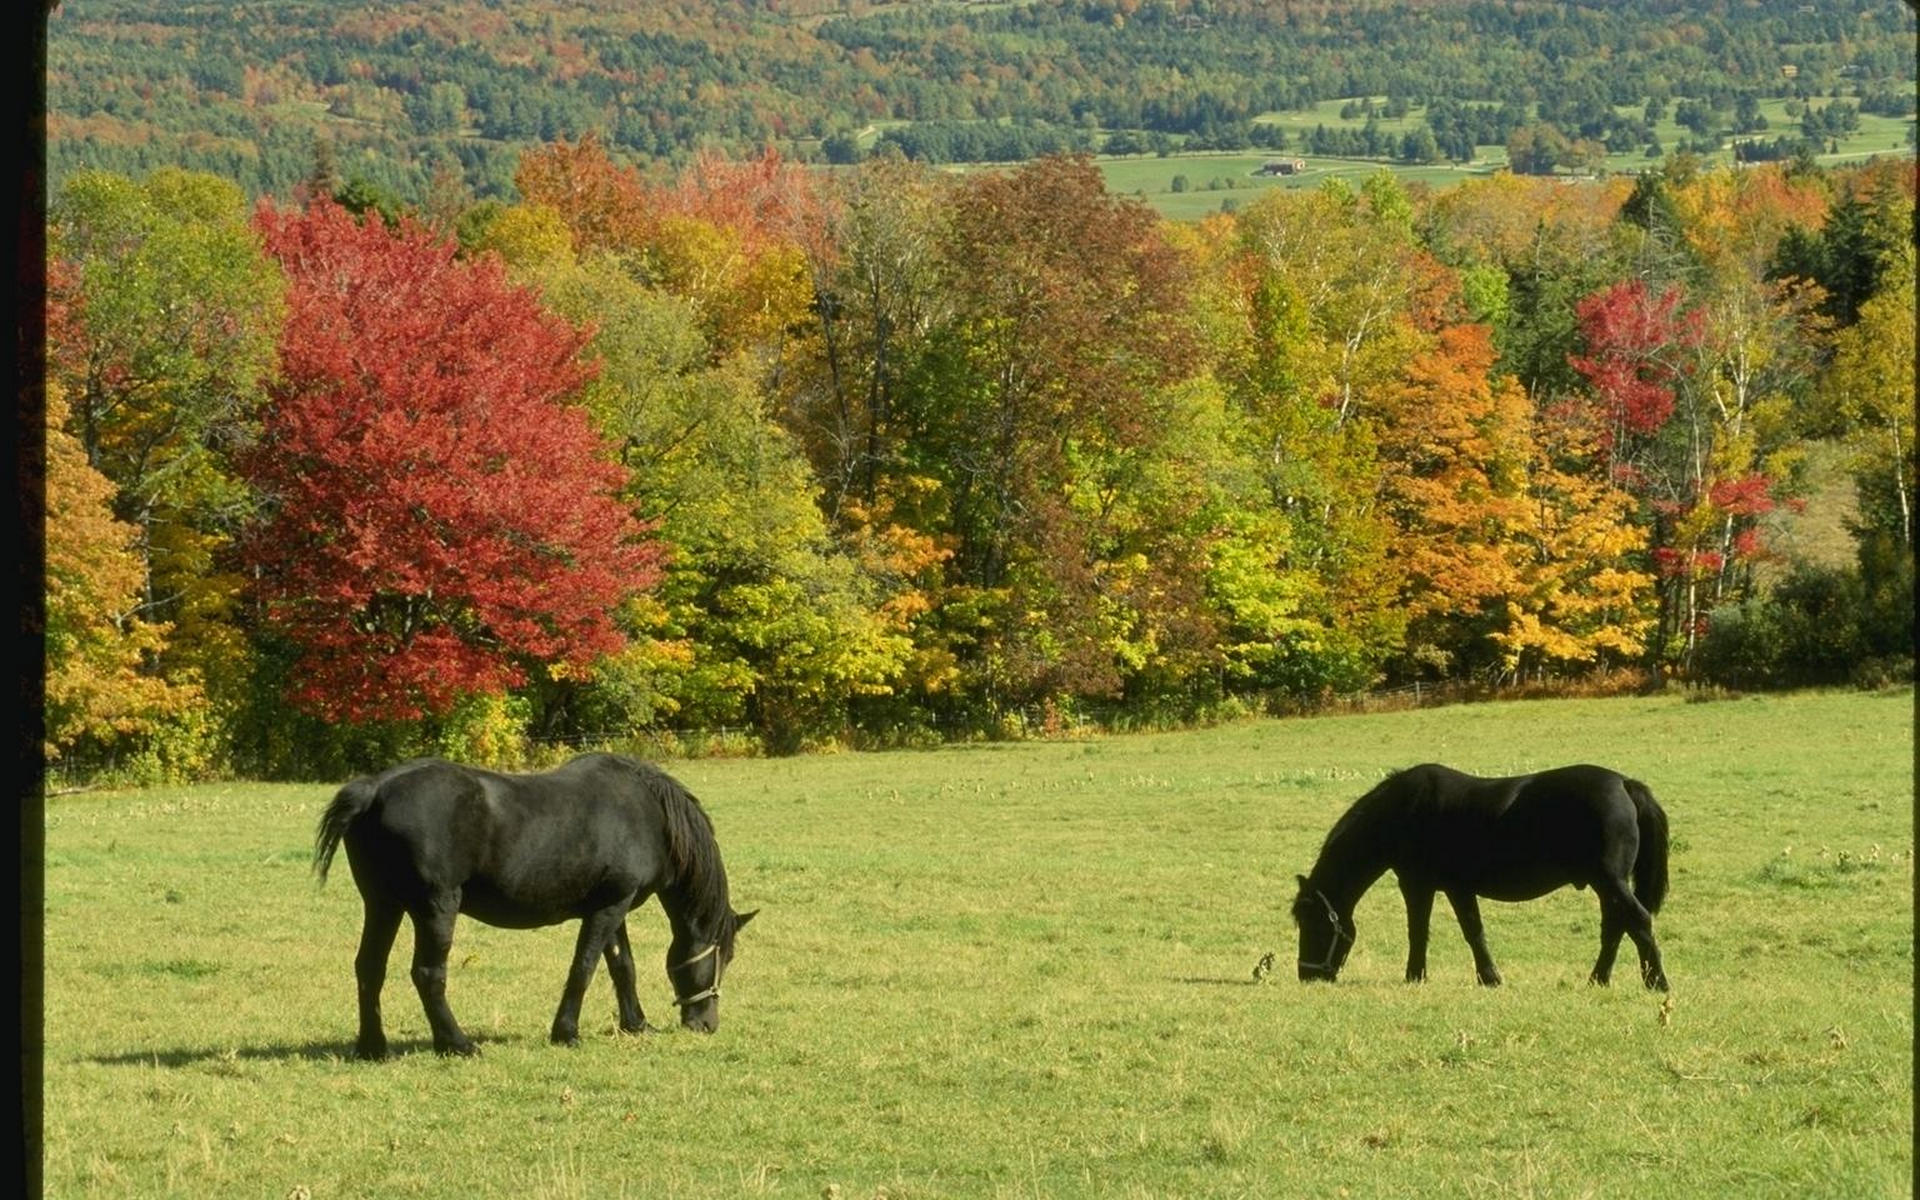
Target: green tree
x,y
760,619
439,108
1870,387
878,293
1068,317
163,318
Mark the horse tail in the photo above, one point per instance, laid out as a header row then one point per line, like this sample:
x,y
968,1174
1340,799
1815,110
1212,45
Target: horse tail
x,y
1650,867
348,803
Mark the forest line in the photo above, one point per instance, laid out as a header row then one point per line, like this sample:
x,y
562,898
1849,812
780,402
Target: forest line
x,y
892,455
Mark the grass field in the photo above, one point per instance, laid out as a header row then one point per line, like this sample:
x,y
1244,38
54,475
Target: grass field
x,y
1215,179
1024,970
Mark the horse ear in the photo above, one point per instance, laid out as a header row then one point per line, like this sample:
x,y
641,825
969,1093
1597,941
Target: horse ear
x,y
740,919
1303,882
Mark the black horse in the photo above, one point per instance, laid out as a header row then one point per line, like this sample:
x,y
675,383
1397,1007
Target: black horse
x,y
1439,830
592,839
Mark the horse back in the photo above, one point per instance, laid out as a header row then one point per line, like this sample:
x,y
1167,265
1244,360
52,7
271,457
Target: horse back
x,y
1512,837
525,850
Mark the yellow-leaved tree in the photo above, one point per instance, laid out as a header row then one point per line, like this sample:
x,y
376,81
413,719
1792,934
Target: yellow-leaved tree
x,y
1584,602
96,689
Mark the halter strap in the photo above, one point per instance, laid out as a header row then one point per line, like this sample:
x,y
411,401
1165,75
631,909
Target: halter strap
x,y
1339,934
712,991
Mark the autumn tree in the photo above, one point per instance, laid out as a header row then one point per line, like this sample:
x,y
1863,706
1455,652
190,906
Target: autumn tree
x,y
1638,343
437,515
730,237
162,317
1696,403
100,695
605,206
1528,249
760,617
1585,599
1870,389
1329,295
1067,317
1707,421
1454,450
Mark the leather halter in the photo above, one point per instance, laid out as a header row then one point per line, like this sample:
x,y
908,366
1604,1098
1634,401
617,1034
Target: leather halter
x,y
1340,934
712,991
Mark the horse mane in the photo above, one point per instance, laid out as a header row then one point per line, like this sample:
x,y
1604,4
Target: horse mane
x,y
1362,809
1362,813
692,849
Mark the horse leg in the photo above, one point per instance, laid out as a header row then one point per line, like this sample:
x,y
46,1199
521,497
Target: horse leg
x,y
1612,928
597,930
1638,923
377,930
1466,908
432,941
620,967
1419,915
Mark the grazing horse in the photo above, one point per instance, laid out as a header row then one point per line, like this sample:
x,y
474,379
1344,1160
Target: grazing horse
x,y
591,840
1518,838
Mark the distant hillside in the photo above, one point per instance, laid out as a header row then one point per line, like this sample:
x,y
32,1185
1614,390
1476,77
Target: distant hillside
x,y
1817,533
398,92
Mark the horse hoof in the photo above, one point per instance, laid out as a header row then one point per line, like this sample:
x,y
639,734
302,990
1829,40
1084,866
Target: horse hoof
x,y
459,1049
370,1051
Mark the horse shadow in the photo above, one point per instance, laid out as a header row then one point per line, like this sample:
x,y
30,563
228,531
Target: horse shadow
x,y
321,1052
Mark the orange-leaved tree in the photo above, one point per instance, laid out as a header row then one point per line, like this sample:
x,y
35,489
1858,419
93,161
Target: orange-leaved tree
x,y
1454,449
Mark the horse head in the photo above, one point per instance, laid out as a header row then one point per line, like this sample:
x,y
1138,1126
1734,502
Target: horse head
x,y
695,965
1325,933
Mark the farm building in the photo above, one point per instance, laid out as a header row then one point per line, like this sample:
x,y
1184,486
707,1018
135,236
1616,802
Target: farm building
x,y
1284,166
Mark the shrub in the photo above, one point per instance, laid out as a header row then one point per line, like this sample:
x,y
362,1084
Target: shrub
x,y
1820,625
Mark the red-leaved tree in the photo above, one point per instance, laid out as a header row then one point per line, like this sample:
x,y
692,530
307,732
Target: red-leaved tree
x,y
1637,340
436,515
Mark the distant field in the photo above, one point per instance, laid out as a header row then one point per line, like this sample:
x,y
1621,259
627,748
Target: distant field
x,y
1023,970
1215,180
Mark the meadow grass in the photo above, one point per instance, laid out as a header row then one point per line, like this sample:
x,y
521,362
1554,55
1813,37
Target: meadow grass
x,y
1025,970
1221,180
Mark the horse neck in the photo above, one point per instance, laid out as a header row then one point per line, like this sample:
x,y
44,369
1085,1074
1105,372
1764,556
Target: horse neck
x,y
695,901
1353,858
696,914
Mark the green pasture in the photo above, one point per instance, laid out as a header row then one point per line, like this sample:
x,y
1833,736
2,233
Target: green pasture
x,y
1216,180
1025,970
1189,186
